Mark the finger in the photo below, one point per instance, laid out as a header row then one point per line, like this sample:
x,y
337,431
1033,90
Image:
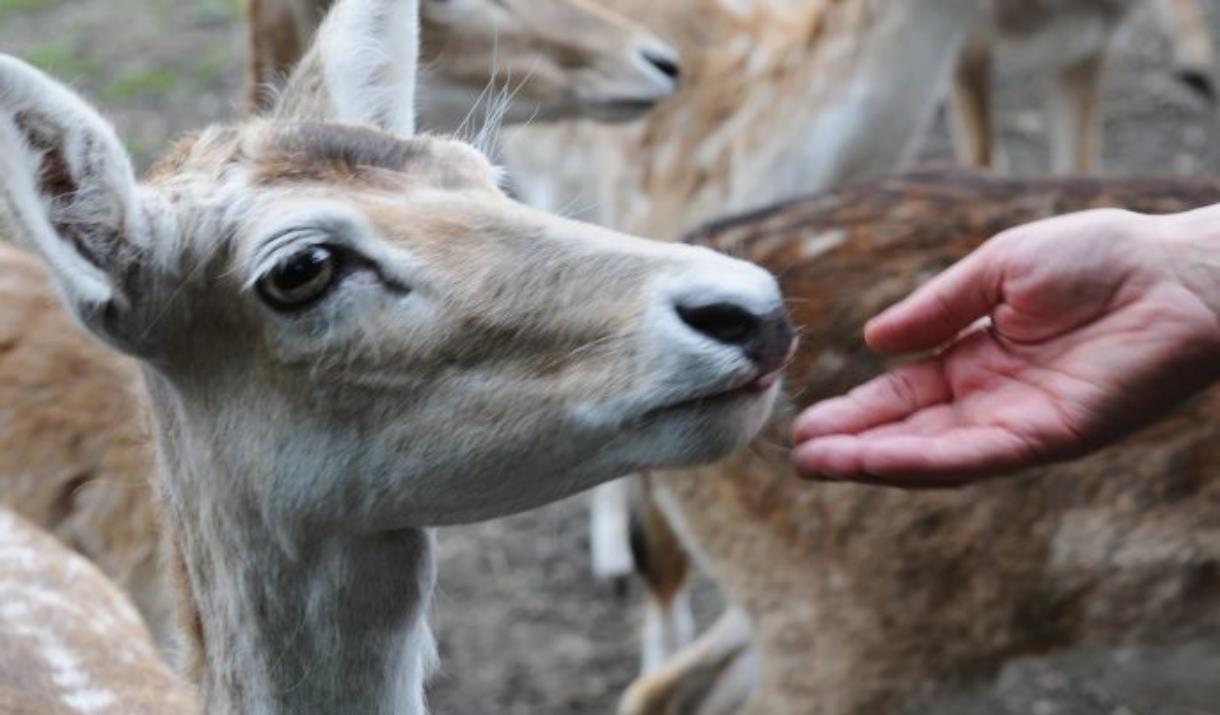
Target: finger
x,y
952,458
942,307
885,399
905,482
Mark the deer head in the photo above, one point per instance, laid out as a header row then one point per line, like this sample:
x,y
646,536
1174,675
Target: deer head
x,y
382,291
515,60
555,58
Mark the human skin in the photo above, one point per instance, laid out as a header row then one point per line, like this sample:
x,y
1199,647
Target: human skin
x,y
1052,340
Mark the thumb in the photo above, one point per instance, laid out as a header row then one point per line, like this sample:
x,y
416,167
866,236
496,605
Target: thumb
x,y
940,309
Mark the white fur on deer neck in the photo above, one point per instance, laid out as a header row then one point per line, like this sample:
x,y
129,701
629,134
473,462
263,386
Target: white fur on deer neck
x,y
295,619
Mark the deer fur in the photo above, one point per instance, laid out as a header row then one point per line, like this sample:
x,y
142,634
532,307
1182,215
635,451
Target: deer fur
x,y
862,600
73,643
1068,41
305,448
492,61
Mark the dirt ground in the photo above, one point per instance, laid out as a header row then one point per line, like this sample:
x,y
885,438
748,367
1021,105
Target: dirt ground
x,y
522,626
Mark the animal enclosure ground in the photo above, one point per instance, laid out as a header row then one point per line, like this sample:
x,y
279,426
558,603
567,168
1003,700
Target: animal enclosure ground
x,y
522,627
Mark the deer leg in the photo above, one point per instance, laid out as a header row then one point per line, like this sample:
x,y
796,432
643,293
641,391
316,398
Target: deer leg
x,y
1185,24
714,675
609,529
1075,116
664,567
972,110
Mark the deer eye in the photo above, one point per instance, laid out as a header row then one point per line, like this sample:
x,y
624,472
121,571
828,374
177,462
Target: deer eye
x,y
300,279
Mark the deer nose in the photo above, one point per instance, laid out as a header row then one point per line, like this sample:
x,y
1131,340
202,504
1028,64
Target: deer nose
x,y
765,338
667,65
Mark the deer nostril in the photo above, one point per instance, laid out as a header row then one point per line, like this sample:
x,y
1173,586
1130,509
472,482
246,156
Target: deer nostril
x,y
766,339
666,65
722,322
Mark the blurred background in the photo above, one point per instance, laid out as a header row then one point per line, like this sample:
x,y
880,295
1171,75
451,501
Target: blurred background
x,y
523,627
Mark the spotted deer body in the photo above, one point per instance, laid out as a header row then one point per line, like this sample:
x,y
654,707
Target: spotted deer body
x,y
862,600
338,351
73,643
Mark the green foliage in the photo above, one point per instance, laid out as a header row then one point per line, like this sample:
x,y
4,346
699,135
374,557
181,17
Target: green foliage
x,y
63,61
139,83
210,70
14,6
230,10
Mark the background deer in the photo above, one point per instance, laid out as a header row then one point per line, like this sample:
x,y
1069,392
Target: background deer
x,y
73,643
551,58
852,600
339,349
1070,42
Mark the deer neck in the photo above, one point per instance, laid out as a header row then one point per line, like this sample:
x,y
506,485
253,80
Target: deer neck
x,y
298,623
838,91
885,111
872,93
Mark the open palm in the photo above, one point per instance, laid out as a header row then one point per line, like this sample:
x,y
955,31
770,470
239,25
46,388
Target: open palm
x,y
1091,327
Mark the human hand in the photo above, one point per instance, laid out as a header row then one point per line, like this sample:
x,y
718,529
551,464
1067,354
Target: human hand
x,y
1098,323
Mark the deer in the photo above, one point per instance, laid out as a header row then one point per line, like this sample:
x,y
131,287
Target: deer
x,y
338,352
1070,42
851,600
79,464
551,59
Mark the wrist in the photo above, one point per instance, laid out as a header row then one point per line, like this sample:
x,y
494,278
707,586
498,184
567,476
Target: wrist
x,y
1192,242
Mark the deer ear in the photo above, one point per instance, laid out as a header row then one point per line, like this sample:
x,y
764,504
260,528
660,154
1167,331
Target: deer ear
x,y
68,187
361,68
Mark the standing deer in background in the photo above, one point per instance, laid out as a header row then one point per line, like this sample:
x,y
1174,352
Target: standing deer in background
x,y
851,600
74,452
339,349
552,59
1069,40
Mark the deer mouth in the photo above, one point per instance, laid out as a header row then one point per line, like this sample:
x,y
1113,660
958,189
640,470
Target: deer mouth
x,y
622,109
755,388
